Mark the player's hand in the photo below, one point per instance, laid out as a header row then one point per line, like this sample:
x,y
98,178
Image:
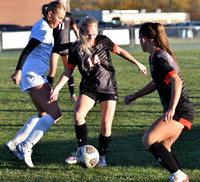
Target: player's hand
x,y
142,69
54,95
129,98
168,115
16,77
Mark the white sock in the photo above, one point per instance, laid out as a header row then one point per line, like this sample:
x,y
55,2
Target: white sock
x,y
25,130
39,130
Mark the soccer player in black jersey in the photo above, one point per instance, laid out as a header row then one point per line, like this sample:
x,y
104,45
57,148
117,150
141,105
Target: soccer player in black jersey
x,y
61,35
178,110
92,56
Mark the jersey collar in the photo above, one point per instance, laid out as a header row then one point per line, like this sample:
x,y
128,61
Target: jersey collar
x,y
154,53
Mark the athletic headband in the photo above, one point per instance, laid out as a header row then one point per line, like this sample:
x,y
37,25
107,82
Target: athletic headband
x,y
145,37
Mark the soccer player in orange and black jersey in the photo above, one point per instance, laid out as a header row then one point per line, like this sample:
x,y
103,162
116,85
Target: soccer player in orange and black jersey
x,y
98,73
92,56
61,36
163,66
62,32
178,109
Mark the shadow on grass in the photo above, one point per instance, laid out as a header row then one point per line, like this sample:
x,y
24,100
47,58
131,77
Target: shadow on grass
x,y
71,111
125,148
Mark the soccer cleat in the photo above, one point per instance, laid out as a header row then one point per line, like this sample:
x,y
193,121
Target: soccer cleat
x,y
71,159
182,177
102,161
13,149
74,98
25,153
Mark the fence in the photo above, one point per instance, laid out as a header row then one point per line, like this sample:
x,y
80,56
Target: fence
x,y
178,36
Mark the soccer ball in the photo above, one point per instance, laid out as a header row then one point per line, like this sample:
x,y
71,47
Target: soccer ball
x,y
87,156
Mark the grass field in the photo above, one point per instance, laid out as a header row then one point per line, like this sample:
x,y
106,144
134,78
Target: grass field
x,y
127,159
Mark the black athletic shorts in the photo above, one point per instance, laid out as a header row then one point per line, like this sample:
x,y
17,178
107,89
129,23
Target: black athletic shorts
x,y
98,96
62,53
185,115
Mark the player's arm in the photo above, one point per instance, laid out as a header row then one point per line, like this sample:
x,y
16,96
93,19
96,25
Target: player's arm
x,y
63,79
176,88
76,31
124,54
149,88
74,27
61,47
32,44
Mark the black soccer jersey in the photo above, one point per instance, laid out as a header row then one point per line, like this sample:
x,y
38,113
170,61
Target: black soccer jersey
x,y
62,32
162,66
98,73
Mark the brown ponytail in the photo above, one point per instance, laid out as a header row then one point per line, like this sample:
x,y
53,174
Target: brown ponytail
x,y
45,10
162,40
52,6
156,32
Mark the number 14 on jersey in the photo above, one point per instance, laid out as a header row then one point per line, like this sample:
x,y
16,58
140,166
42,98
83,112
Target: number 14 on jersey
x,y
96,60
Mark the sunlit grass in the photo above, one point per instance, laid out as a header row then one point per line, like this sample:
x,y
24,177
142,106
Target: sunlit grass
x,y
127,159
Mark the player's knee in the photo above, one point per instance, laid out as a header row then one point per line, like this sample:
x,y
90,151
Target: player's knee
x,y
78,118
146,140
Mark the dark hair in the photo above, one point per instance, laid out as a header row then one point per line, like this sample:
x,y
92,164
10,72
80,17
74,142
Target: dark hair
x,y
156,32
52,6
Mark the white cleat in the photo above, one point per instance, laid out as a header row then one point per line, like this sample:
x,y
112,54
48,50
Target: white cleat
x,y
13,149
102,161
25,153
71,159
182,177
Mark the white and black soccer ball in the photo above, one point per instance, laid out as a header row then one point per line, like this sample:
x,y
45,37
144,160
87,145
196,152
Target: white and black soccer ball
x,y
87,156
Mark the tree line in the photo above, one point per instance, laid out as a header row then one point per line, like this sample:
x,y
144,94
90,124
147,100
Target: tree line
x,y
190,6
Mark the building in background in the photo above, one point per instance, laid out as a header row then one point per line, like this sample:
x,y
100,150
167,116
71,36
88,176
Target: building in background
x,y
133,17
21,12
27,12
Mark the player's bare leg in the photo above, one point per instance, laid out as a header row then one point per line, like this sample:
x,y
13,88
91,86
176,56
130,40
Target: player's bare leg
x,y
49,112
83,105
107,115
158,139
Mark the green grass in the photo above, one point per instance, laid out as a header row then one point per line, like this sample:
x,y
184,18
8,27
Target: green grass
x,y
127,159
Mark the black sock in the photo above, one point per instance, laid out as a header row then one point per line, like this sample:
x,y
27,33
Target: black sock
x,y
103,144
81,134
175,158
164,157
50,80
71,85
